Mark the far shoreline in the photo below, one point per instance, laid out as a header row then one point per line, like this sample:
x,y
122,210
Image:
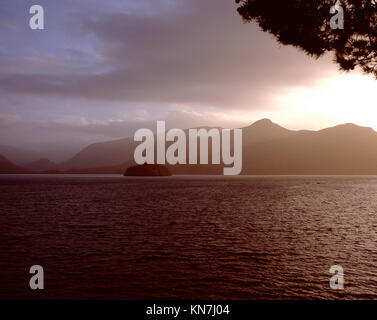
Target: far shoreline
x,y
121,175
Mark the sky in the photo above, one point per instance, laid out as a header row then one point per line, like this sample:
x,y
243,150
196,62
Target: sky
x,y
100,70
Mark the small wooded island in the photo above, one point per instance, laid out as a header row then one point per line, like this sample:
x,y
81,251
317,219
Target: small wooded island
x,y
148,170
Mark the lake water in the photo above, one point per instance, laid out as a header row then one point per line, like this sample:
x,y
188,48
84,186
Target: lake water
x,y
188,237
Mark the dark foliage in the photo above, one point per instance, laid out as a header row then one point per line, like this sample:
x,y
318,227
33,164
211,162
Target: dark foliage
x,y
306,24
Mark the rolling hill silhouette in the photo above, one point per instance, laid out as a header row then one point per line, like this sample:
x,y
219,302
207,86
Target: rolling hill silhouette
x,y
268,149
8,167
42,164
344,149
109,153
104,154
17,155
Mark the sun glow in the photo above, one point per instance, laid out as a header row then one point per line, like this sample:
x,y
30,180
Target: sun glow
x,y
340,99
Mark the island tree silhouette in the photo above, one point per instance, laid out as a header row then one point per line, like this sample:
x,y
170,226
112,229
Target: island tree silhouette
x,y
306,25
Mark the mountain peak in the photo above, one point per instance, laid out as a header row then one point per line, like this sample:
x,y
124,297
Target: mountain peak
x,y
266,124
42,164
350,128
263,121
7,166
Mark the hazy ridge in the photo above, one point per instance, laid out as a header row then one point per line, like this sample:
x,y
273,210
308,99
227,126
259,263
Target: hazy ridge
x,y
267,149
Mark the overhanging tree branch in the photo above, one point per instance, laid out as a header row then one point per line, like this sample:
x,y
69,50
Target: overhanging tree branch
x,y
305,24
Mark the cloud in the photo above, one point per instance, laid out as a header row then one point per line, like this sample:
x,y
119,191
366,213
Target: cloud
x,y
198,53
97,130
7,121
103,69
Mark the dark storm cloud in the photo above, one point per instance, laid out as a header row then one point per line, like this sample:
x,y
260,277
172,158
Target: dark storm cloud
x,y
196,52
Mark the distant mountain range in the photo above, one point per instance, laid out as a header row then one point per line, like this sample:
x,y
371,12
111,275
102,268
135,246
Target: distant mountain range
x,y
8,167
41,165
17,155
267,149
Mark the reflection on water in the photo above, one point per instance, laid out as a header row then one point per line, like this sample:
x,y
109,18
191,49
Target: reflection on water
x,y
188,237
